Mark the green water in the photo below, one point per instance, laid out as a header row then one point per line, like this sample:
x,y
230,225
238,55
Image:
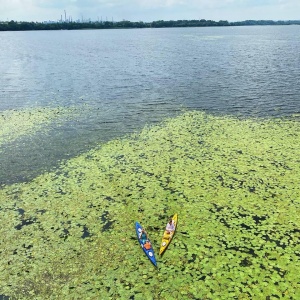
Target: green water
x,y
234,183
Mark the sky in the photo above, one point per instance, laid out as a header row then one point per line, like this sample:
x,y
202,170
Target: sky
x,y
149,10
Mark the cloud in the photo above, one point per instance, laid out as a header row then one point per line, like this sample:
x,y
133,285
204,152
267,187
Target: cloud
x,y
160,3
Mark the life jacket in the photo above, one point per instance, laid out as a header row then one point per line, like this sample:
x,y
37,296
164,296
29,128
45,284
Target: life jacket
x,y
143,236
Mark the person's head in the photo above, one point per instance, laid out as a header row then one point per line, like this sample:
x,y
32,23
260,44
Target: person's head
x,y
170,221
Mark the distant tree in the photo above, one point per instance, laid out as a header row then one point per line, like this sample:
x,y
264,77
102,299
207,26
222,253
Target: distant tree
x,y
223,23
14,25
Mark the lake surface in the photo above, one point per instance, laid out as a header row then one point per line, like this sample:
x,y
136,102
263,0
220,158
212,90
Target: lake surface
x,y
130,78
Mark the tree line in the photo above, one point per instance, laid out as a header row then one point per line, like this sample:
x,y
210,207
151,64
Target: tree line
x,y
69,25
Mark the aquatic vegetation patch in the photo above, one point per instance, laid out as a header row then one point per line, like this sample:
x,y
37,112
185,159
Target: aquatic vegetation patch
x,y
16,123
234,184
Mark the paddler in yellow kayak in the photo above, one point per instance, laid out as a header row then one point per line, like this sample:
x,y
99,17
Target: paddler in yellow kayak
x,y
170,228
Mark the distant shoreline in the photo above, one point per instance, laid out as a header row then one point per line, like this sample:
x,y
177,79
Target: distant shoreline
x,y
70,25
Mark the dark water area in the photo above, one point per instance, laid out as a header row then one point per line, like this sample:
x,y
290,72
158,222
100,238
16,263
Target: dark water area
x,y
130,78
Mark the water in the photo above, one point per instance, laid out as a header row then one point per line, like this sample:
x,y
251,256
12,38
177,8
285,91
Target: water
x,y
129,78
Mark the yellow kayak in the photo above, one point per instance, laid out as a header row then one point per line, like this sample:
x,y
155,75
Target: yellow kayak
x,y
168,235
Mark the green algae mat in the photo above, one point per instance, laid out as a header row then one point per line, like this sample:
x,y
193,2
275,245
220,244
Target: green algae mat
x,y
17,123
234,183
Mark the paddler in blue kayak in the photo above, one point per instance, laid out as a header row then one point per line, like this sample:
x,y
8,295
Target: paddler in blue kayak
x,y
143,236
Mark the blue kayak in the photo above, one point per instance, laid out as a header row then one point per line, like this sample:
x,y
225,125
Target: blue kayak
x,y
146,245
